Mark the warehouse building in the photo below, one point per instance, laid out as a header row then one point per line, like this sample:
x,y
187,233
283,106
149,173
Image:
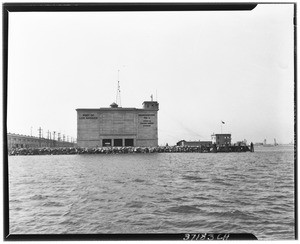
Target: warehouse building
x,y
117,126
194,143
25,141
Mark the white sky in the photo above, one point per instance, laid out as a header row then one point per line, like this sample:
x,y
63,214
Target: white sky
x,y
206,67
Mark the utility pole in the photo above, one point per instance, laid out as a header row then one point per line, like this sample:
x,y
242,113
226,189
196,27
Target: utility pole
x,y
64,139
58,139
54,138
40,134
48,139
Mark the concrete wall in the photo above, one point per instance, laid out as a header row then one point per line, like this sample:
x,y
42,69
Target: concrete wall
x,y
147,133
117,124
88,128
120,122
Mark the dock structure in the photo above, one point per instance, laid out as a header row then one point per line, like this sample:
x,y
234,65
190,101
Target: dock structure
x,y
125,150
113,130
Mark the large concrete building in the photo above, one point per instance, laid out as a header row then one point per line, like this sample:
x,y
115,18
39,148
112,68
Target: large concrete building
x,y
118,126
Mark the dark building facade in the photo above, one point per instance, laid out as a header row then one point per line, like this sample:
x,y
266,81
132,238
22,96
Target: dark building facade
x,y
221,139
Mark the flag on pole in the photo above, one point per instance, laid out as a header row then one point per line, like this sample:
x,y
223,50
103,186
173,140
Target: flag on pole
x,y
222,122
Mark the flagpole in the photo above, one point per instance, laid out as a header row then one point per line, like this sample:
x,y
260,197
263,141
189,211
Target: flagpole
x,y
222,122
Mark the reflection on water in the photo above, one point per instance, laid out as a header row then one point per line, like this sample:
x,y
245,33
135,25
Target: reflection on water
x,y
154,193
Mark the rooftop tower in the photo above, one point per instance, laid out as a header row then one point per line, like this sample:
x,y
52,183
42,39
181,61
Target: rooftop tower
x,y
151,105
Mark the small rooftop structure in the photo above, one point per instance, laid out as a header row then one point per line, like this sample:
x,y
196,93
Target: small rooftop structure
x,y
114,105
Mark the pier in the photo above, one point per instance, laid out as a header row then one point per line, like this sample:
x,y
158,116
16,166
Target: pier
x,y
125,150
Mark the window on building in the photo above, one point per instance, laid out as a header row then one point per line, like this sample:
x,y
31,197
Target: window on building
x,y
128,142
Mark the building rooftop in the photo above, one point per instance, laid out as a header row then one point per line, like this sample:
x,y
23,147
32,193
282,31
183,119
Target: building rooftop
x,y
150,102
15,134
115,107
227,134
106,108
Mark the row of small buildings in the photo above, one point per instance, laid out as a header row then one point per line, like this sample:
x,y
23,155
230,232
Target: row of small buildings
x,y
24,141
218,139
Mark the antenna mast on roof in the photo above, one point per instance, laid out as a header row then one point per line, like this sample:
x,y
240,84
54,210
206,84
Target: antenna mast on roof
x,y
118,97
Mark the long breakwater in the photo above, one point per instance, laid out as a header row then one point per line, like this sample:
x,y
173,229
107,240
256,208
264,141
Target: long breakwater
x,y
124,150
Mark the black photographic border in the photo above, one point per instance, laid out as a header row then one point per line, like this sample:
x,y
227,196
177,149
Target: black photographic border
x,y
119,7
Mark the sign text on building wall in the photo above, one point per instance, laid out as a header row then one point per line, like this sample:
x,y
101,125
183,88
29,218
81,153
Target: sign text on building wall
x,y
146,120
88,116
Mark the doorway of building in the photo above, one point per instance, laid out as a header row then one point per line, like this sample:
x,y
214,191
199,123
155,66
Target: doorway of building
x,y
118,143
128,142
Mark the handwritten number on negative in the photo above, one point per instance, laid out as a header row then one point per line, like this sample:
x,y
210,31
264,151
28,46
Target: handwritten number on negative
x,y
205,236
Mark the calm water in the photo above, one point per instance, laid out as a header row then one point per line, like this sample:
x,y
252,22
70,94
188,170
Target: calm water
x,y
154,193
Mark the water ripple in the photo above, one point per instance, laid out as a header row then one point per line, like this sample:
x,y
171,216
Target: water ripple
x,y
165,193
